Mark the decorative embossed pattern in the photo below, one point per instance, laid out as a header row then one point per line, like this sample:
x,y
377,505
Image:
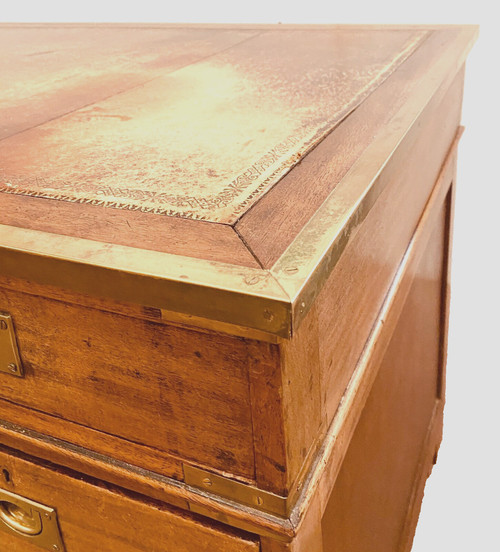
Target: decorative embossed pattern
x,y
203,140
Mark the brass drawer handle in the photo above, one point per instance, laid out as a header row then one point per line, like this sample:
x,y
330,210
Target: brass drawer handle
x,y
10,361
26,522
30,520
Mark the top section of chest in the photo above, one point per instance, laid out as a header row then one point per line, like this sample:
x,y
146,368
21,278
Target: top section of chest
x,y
213,173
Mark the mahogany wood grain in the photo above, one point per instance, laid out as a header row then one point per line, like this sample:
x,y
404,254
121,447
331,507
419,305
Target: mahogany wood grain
x,y
192,238
178,391
97,516
286,409
109,445
369,503
266,385
303,405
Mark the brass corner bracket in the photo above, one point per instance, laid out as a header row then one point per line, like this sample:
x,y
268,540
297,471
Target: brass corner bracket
x,y
237,491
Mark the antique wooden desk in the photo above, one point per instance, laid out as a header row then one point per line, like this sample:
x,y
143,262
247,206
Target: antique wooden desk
x,y
224,268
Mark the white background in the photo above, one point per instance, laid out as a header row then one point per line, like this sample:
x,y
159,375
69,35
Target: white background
x,y
461,506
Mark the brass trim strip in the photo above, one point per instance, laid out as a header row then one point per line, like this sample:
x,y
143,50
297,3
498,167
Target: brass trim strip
x,y
234,490
227,293
230,501
146,482
273,302
308,261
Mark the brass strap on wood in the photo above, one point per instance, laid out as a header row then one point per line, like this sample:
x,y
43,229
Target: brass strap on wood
x,y
10,361
237,491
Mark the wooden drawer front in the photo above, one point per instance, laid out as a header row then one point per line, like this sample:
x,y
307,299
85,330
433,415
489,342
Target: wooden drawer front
x,y
181,393
97,517
378,490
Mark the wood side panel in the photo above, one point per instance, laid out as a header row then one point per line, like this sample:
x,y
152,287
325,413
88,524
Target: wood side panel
x,y
426,463
339,435
179,391
351,298
100,517
303,403
267,419
350,301
286,408
370,499
191,238
435,431
272,223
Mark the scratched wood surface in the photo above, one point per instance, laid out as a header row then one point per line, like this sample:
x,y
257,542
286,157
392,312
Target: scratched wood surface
x,y
96,516
196,124
239,406
176,140
165,393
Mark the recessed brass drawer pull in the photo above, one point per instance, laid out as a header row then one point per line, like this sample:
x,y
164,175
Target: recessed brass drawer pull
x,y
10,361
27,519
26,522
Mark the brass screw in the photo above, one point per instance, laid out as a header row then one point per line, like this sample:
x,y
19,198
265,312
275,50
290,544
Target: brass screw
x,y
260,500
207,482
55,547
252,280
12,367
3,325
268,315
47,515
291,269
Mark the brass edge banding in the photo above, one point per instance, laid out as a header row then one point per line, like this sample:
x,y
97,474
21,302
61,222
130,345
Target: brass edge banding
x,y
310,258
234,490
231,294
213,506
197,323
272,302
